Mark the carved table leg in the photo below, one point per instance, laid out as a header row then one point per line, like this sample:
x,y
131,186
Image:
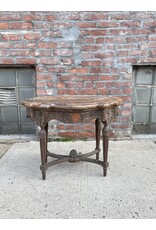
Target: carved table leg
x,y
97,133
43,148
105,147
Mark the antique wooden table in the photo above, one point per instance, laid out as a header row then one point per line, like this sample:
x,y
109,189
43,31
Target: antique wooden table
x,y
73,109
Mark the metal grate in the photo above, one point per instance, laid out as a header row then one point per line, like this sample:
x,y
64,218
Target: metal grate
x,y
144,100
7,96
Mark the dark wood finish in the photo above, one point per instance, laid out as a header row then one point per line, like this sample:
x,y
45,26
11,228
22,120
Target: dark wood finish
x,y
73,109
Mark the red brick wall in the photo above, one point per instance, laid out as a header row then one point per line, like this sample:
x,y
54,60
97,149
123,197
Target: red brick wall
x,y
81,53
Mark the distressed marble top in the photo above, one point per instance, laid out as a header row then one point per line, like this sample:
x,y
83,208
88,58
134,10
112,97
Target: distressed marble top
x,y
73,102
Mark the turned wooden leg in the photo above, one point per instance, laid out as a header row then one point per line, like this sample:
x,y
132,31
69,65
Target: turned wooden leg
x,y
97,134
43,149
46,128
105,147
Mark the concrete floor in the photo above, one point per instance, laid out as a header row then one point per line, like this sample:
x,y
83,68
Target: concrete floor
x,y
78,190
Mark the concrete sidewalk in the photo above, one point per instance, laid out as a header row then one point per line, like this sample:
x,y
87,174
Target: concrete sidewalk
x,y
78,190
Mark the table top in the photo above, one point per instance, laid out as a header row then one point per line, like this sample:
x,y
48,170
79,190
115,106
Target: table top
x,y
73,102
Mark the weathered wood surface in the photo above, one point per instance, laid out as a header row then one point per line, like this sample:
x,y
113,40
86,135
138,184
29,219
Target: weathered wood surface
x,y
72,102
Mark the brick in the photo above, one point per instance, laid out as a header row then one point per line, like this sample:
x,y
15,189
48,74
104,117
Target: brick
x,y
127,91
49,61
121,32
51,17
40,69
57,69
99,84
103,91
114,84
91,47
102,55
50,84
12,37
40,84
4,25
32,16
88,78
126,105
122,53
29,61
152,59
87,55
116,91
89,84
79,85
94,16
130,24
21,53
120,39
89,40
23,45
141,15
6,61
86,24
44,76
79,70
47,45
126,112
99,40
129,46
73,16
128,60
139,52
110,47
109,40
60,85
5,45
107,24
91,63
140,31
43,53
11,17
96,70
67,78
88,91
41,92
94,32
3,53
31,36
67,91
120,16
109,77
148,24
21,25
66,53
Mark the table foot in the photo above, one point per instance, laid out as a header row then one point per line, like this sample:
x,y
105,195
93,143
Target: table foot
x,y
105,166
105,172
43,175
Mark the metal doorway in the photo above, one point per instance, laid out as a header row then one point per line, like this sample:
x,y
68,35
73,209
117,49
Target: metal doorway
x,y
144,100
16,84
